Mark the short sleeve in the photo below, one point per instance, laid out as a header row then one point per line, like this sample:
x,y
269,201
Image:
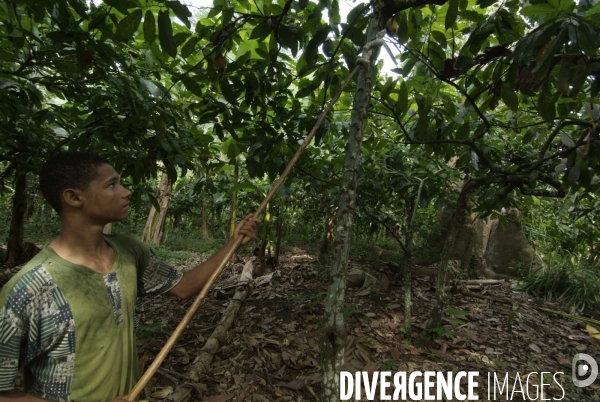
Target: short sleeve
x,y
37,331
157,277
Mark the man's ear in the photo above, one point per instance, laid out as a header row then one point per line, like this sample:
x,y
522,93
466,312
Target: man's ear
x,y
72,198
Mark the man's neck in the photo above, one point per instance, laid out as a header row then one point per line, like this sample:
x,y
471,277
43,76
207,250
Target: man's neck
x,y
84,244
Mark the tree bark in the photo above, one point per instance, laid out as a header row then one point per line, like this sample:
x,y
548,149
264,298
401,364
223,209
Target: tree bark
x,y
155,225
15,249
265,240
234,203
219,335
408,247
324,249
332,336
439,304
205,218
280,215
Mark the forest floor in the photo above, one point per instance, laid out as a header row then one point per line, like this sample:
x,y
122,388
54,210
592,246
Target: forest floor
x,y
272,355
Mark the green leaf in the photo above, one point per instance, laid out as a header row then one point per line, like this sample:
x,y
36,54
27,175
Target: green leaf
x,y
149,27
538,9
456,312
154,202
485,3
181,11
79,6
541,69
574,175
129,25
530,134
567,140
452,13
165,34
189,47
547,104
228,92
509,97
402,27
312,48
192,86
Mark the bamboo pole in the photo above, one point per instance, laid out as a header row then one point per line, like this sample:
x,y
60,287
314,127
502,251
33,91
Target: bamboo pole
x,y
138,388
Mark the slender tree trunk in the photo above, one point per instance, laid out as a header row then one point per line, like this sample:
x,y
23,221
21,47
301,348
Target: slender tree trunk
x,y
15,254
155,225
324,249
177,220
408,263
266,231
280,216
204,218
234,203
439,304
332,336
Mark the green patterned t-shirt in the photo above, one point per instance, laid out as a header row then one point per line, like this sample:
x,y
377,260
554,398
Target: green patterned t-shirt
x,y
72,328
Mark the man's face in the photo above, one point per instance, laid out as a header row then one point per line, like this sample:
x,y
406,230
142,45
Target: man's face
x,y
106,200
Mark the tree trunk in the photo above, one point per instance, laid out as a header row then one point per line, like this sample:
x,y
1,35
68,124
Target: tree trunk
x,y
155,225
234,203
204,218
324,249
177,220
15,249
439,304
280,215
202,362
411,211
332,336
265,240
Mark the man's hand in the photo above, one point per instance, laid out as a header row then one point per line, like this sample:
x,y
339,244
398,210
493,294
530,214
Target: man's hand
x,y
248,227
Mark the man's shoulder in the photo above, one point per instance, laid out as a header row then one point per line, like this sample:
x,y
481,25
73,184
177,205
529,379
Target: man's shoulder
x,y
32,279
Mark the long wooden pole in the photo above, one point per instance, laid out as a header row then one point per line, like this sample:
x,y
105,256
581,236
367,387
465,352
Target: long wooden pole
x,y
137,389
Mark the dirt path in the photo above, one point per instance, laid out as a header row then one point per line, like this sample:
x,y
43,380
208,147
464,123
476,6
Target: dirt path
x,y
272,353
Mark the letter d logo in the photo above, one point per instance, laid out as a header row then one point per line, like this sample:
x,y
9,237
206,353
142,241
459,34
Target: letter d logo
x,y
579,371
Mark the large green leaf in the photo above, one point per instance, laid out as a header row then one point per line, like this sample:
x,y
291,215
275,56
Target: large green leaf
x,y
509,97
181,11
452,13
192,86
165,34
547,104
129,25
149,27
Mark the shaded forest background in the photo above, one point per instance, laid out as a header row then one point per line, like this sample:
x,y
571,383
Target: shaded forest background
x,y
489,121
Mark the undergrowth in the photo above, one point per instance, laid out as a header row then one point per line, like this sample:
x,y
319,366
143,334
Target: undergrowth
x,y
567,281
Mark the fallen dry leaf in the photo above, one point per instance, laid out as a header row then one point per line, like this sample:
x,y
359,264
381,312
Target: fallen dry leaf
x,y
218,398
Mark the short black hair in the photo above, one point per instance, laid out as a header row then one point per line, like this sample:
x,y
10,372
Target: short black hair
x,y
68,170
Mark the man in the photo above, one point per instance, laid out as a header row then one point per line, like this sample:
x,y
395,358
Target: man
x,y
67,317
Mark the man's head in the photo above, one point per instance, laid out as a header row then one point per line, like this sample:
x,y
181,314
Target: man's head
x,y
69,176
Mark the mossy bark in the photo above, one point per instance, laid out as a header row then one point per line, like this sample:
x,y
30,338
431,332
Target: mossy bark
x,y
332,336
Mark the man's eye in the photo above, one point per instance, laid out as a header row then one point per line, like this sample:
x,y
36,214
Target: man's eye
x,y
111,186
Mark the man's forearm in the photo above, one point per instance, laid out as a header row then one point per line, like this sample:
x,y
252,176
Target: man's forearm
x,y
194,280
20,396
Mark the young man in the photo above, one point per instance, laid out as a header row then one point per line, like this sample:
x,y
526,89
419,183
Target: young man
x,y
67,316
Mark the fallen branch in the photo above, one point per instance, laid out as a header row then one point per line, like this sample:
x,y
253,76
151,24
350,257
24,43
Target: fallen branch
x,y
217,338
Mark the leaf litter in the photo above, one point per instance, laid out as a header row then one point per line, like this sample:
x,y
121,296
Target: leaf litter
x,y
271,353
